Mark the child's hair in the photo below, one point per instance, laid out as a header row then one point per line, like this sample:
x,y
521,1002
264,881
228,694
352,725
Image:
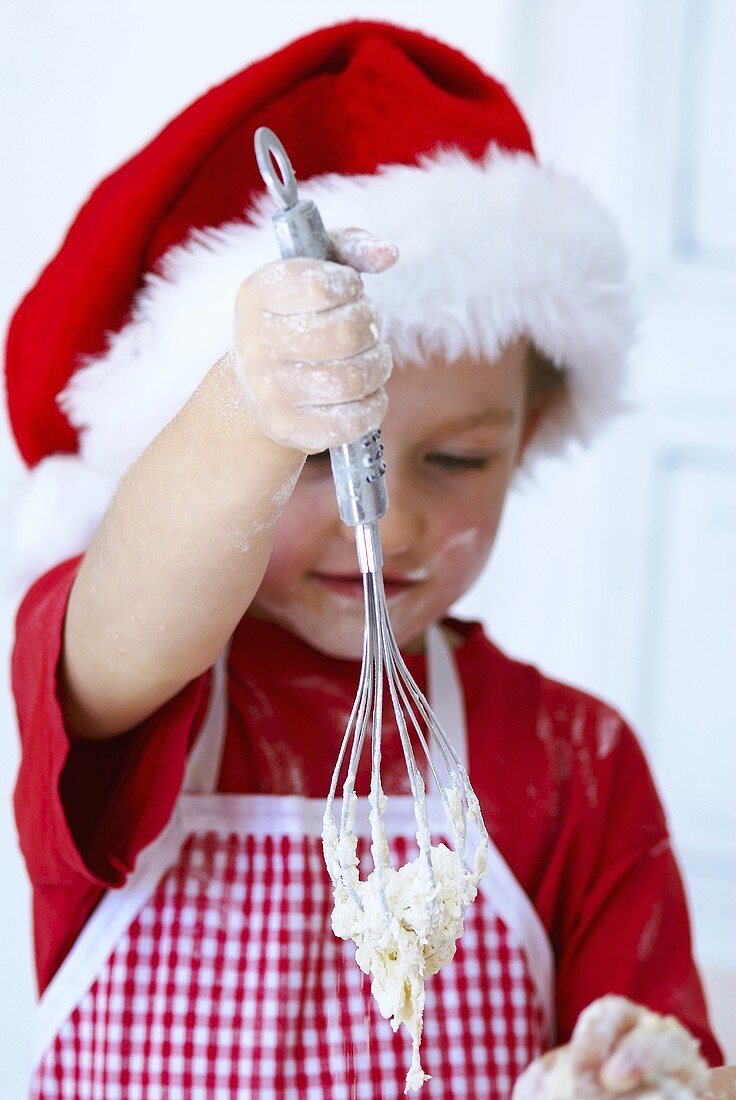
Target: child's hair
x,y
546,383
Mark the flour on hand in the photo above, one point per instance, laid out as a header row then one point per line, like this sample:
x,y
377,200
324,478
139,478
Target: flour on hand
x,y
619,1049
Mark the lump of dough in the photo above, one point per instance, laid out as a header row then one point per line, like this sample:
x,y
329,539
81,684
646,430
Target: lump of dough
x,y
619,1048
410,939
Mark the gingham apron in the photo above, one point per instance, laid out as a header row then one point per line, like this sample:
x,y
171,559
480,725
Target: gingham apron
x,y
213,974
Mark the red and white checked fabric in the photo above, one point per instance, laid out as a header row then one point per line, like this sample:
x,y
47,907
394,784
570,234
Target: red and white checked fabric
x,y
230,984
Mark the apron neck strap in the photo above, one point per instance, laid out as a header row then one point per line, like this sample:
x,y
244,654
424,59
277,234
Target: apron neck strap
x,y
445,692
203,764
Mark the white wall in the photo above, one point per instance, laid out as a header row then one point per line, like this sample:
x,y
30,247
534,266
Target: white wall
x,y
640,532
635,594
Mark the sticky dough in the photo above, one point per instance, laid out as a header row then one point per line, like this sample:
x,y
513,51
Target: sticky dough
x,y
403,944
677,1072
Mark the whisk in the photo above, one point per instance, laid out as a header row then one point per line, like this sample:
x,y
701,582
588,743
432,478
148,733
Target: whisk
x,y
359,474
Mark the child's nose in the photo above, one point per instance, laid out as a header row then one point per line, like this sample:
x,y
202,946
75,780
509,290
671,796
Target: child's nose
x,y
403,525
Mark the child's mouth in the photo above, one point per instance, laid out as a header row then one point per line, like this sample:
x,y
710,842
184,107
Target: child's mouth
x,y
352,584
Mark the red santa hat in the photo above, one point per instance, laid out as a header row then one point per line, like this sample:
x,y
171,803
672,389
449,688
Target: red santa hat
x,y
386,128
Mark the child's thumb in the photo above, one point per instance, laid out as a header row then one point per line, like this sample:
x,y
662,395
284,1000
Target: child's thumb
x,y
362,250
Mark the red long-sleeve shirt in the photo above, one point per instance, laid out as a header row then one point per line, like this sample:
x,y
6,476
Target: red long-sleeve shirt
x,y
562,781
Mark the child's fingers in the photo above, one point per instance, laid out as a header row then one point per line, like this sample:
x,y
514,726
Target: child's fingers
x,y
532,1083
333,381
658,1047
337,333
362,250
618,1047
302,285
319,427
599,1028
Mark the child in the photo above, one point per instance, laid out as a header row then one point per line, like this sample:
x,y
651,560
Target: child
x,y
182,686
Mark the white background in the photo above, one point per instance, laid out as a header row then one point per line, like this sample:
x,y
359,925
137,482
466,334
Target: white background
x,y
629,591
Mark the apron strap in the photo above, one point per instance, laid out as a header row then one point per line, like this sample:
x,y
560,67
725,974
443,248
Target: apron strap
x,y
205,758
445,694
509,900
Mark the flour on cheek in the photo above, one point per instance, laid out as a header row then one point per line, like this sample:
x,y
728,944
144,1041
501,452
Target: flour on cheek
x,y
445,575
459,560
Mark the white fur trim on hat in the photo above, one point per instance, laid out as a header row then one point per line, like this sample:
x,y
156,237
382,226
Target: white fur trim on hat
x,y
489,251
57,510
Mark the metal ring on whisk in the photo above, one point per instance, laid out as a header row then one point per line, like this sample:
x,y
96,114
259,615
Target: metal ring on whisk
x,y
268,149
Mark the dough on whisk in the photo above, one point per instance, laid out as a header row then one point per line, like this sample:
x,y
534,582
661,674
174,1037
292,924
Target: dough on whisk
x,y
414,942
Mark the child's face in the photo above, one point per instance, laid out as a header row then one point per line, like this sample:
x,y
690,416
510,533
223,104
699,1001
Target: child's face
x,y
453,435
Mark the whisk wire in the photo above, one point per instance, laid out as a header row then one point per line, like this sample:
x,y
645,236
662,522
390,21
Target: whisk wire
x,y
382,661
379,843
457,777
389,647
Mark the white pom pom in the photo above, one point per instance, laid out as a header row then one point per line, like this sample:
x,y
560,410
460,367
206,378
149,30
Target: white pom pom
x,y
56,513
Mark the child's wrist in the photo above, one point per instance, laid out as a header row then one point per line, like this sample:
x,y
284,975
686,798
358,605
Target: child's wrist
x,y
265,462
242,410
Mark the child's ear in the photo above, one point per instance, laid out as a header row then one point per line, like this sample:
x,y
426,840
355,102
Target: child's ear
x,y
546,385
532,417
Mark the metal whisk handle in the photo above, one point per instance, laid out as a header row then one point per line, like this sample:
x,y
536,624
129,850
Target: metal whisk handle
x,y
358,469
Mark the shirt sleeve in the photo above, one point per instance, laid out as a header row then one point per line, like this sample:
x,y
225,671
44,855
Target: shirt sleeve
x,y
85,809
628,929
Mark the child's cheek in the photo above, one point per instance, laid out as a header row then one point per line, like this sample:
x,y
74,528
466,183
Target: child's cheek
x,y
463,538
465,549
446,573
458,561
305,525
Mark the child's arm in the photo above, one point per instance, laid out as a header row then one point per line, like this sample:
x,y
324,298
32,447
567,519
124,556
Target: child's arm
x,y
183,546
722,1083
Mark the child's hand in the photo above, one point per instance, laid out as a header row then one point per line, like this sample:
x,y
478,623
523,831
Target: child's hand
x,y
307,345
618,1048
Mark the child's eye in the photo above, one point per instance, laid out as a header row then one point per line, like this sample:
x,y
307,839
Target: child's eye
x,y
444,459
457,462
